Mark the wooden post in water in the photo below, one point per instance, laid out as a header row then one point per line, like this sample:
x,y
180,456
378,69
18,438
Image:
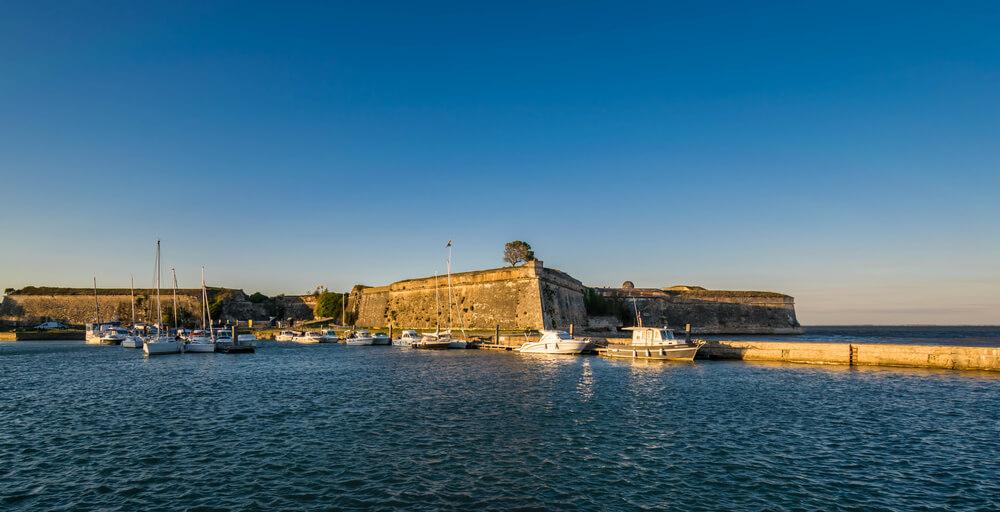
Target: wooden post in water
x,y
390,333
570,330
687,333
236,340
496,336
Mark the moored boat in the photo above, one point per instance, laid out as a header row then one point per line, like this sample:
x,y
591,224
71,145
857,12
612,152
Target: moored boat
x,y
406,338
113,336
360,338
381,338
328,336
654,343
432,341
285,336
308,337
554,342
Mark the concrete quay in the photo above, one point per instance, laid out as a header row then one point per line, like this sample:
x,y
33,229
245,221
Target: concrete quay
x,y
856,354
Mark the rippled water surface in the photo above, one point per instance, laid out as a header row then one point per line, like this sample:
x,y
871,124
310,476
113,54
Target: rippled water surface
x,y
319,427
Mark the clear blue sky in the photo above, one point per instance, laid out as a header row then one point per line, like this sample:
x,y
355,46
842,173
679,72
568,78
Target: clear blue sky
x,y
845,153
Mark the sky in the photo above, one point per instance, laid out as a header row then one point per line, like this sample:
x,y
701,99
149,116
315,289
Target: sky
x,y
844,153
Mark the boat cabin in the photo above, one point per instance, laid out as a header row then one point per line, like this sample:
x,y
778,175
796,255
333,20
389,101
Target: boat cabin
x,y
653,336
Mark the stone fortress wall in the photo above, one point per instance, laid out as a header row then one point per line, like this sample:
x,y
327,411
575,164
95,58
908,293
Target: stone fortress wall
x,y
525,297
529,296
74,307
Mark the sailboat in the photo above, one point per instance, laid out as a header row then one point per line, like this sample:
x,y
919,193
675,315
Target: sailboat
x,y
162,343
433,340
199,342
453,342
133,340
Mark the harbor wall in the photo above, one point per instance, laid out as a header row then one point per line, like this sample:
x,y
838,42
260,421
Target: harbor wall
x,y
708,311
525,297
71,307
856,354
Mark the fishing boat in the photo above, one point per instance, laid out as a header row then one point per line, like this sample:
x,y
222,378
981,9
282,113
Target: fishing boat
x,y
161,344
654,343
328,336
406,338
554,342
360,338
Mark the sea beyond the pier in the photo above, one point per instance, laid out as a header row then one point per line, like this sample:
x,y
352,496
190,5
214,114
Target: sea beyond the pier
x,y
335,427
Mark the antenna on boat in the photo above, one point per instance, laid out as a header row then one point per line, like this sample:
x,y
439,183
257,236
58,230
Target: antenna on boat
x,y
131,292
638,316
174,274
159,306
97,304
437,300
458,310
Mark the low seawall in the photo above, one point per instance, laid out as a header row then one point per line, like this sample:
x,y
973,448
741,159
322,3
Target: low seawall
x,y
43,336
856,354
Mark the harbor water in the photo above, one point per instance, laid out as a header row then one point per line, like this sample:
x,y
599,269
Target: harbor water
x,y
332,427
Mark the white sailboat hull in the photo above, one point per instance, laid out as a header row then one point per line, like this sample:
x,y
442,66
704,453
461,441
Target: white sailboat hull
x,y
161,347
201,347
558,347
360,341
132,342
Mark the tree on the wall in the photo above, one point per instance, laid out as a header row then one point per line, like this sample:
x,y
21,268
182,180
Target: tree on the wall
x,y
517,251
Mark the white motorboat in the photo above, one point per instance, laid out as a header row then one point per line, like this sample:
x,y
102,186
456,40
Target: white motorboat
x,y
308,337
406,338
381,338
285,336
360,338
654,343
113,336
96,331
246,339
455,343
554,342
329,336
431,341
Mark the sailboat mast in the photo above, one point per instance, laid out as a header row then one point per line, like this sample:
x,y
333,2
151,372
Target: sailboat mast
x,y
97,305
458,309
450,297
159,306
173,274
131,292
437,300
208,311
204,300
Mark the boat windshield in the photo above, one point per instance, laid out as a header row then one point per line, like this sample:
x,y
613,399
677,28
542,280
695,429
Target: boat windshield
x,y
564,335
666,334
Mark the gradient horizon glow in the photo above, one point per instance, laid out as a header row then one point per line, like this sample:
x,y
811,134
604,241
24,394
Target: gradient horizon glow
x,y
844,153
